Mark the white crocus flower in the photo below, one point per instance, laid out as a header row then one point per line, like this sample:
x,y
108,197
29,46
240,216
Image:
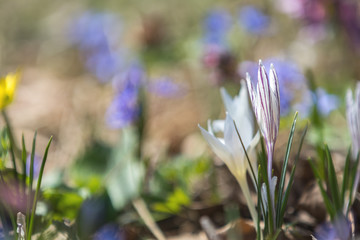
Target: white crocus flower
x,y
353,118
229,148
266,105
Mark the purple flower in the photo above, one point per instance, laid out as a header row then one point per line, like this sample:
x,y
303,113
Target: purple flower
x,y
216,25
95,35
37,165
253,20
266,104
339,230
290,78
326,103
109,232
124,109
164,87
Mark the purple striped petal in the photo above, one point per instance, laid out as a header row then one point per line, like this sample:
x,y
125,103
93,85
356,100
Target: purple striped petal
x,y
275,99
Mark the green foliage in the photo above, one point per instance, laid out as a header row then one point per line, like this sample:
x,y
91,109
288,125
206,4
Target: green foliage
x,y
274,220
125,172
62,203
91,166
171,187
338,197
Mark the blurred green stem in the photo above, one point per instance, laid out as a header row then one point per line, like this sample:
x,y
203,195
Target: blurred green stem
x,y
12,141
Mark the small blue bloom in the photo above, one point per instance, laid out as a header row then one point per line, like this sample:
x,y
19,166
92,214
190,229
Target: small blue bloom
x,y
124,109
253,20
164,87
109,232
216,25
326,103
95,34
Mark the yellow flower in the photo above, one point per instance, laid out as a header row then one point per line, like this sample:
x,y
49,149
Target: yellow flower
x,y
7,88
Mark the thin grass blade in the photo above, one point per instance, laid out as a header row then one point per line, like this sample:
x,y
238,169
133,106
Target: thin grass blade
x,y
38,187
283,171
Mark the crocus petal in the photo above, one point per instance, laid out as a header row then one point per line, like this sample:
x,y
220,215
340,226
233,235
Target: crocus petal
x,y
232,140
218,125
227,100
219,148
275,99
251,93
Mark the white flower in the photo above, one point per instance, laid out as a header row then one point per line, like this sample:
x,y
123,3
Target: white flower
x,y
229,148
266,105
353,118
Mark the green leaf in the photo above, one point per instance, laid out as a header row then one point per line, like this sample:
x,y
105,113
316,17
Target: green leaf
x,y
90,167
125,172
353,177
328,204
333,183
345,182
38,187
283,172
291,180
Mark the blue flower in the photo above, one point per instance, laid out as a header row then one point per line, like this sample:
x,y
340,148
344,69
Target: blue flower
x,y
216,25
290,78
326,103
94,34
110,232
124,109
164,87
253,20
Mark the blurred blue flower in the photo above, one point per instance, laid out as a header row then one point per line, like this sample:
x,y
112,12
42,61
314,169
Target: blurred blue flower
x,y
125,109
216,25
37,165
253,20
164,87
109,232
291,80
339,230
95,34
326,103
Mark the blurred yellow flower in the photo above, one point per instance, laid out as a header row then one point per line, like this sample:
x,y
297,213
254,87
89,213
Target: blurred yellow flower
x,y
7,88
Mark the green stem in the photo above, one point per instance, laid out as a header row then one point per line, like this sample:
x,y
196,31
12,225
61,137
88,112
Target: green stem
x,y
12,141
246,191
38,188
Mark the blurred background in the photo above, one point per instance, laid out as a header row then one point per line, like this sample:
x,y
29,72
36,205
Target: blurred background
x,y
82,60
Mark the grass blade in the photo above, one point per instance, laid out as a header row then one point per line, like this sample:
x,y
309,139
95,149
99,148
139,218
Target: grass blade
x,y
31,179
283,171
23,160
345,180
334,186
353,177
328,204
38,187
292,174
